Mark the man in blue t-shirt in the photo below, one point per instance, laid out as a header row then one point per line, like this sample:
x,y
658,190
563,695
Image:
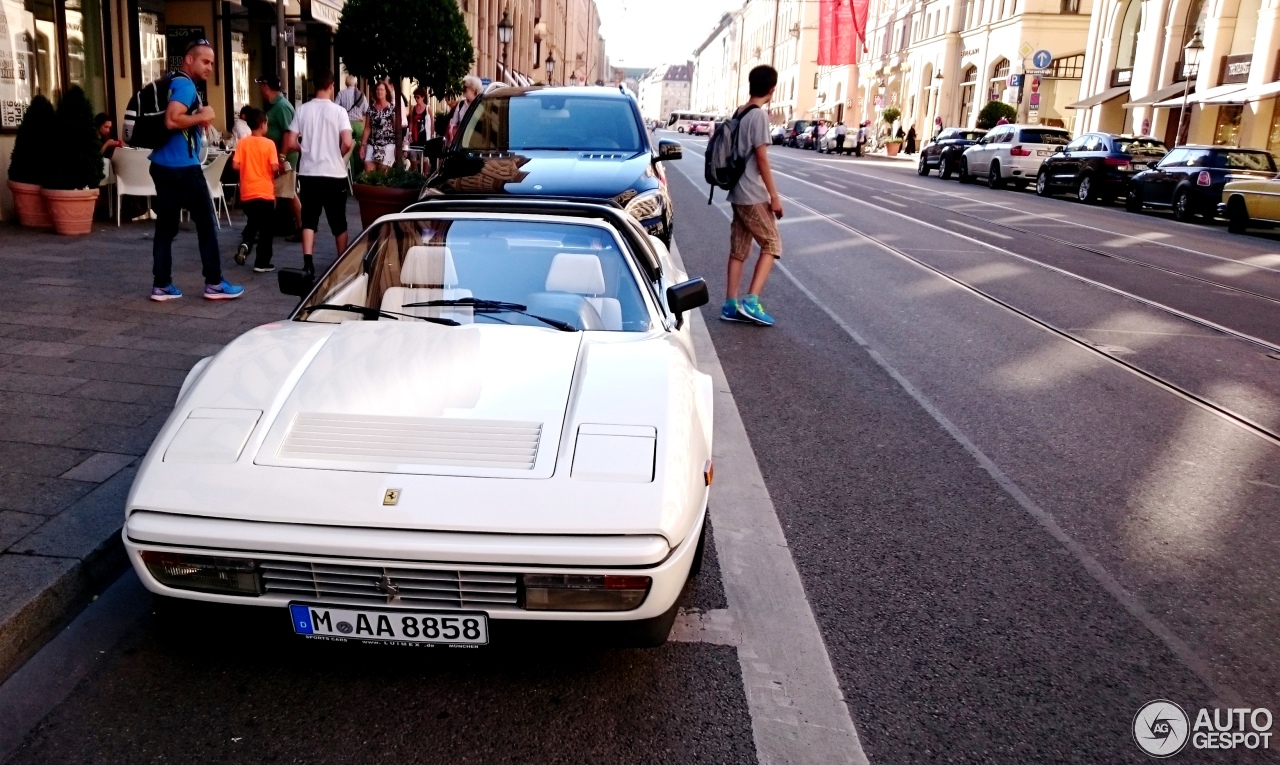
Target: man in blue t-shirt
x,y
179,180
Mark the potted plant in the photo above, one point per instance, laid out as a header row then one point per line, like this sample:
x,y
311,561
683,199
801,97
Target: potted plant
x,y
386,192
29,164
891,144
995,111
75,168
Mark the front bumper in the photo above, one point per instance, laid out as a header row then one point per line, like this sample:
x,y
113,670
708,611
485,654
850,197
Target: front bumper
x,y
371,557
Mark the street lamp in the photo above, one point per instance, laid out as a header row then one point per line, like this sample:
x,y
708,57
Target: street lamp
x,y
505,28
1190,54
551,68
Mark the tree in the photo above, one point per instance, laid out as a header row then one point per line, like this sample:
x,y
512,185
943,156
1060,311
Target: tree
x,y
77,161
424,40
993,111
890,115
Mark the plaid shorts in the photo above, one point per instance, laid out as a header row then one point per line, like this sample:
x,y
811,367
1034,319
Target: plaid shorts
x,y
754,223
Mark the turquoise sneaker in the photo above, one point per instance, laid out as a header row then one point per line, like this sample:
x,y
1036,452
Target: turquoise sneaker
x,y
750,309
729,312
160,294
224,291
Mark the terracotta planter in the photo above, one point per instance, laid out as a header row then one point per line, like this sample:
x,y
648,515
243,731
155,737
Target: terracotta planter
x,y
376,201
33,211
892,149
72,211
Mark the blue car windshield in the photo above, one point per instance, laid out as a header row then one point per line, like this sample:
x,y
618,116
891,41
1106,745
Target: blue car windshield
x,y
569,272
551,121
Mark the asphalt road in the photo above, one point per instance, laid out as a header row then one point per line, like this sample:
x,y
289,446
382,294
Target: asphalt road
x,y
1009,541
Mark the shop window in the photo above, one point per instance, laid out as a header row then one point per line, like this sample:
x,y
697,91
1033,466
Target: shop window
x,y
1067,67
1227,132
1070,6
999,80
152,43
1273,137
240,78
968,85
28,57
299,73
85,57
1127,50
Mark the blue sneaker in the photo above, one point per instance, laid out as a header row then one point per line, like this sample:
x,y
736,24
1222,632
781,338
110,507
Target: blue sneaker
x,y
729,312
165,293
224,291
749,308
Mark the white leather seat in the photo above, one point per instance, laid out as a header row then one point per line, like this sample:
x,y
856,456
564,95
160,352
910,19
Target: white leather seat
x,y
581,274
427,273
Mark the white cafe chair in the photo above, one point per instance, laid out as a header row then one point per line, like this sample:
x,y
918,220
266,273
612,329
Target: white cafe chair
x,y
213,178
108,181
132,172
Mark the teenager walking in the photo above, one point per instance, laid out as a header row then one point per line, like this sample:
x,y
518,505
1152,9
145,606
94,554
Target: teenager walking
x,y
757,206
179,181
259,163
321,132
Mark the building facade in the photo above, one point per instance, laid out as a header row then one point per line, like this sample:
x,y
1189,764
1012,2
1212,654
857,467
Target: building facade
x,y
664,90
1136,73
945,59
715,68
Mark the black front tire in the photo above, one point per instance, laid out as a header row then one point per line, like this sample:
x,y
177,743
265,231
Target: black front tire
x,y
994,179
695,568
945,170
923,167
1042,184
1237,216
963,172
1086,191
1184,210
1133,200
648,633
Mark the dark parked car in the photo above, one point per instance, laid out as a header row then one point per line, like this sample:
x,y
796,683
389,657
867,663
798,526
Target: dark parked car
x,y
807,139
944,153
1189,179
778,133
560,142
792,131
1097,167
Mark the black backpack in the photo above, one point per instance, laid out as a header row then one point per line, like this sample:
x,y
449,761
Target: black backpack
x,y
724,167
144,126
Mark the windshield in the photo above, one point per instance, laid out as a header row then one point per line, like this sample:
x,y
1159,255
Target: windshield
x,y
536,121
577,274
1050,137
969,135
1143,146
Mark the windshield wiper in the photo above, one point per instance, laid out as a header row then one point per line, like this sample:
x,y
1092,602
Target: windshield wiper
x,y
481,305
378,313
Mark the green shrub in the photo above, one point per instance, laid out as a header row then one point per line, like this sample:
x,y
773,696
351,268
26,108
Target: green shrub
x,y
993,111
395,178
34,144
76,161
891,115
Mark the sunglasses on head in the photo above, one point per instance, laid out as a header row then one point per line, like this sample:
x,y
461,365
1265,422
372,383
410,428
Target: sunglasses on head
x,y
198,43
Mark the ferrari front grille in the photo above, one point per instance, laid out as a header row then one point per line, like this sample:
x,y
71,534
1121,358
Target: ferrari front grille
x,y
354,585
413,441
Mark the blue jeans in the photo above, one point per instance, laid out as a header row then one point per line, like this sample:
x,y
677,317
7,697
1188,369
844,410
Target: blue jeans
x,y
178,188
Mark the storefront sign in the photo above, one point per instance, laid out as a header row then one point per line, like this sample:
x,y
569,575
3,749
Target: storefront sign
x,y
1236,68
327,12
176,40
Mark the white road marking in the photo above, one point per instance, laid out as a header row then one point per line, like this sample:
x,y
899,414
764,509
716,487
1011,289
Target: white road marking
x,y
979,229
888,201
798,713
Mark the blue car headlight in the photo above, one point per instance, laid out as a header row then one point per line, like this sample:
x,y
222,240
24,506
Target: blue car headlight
x,y
645,206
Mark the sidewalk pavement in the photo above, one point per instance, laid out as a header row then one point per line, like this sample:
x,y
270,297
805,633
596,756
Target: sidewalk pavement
x,y
89,370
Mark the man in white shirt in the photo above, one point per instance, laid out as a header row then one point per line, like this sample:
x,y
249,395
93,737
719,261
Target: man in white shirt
x,y
321,131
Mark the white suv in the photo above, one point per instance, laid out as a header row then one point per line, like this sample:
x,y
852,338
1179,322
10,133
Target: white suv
x,y
1011,153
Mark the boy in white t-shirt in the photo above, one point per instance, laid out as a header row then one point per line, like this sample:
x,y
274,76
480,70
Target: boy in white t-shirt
x,y
321,131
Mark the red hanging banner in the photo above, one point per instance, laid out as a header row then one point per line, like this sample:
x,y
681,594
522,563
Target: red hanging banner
x,y
839,21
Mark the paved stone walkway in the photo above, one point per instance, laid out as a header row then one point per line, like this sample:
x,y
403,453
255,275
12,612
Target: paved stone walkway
x,y
89,370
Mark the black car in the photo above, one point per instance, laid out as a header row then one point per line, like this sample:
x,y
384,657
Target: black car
x,y
1190,179
1097,167
792,130
945,152
808,138
582,142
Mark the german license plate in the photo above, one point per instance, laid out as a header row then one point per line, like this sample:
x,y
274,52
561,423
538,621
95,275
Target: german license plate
x,y
1043,152
388,626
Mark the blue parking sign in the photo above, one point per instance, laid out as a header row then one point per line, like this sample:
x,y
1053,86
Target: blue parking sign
x,y
1042,59
1015,80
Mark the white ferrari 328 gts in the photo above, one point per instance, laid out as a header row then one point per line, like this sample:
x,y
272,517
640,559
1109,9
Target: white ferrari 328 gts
x,y
487,409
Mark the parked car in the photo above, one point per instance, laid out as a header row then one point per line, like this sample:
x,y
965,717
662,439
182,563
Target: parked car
x,y
1010,153
827,144
699,128
424,447
808,139
944,153
1250,202
1190,179
793,129
778,133
561,142
1097,167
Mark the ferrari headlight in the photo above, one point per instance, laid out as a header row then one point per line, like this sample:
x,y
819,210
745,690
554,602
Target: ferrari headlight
x,y
204,573
212,436
645,206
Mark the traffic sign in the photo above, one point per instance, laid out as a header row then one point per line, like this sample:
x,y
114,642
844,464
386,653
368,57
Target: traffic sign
x,y
1042,59
1015,80
1025,50
1035,101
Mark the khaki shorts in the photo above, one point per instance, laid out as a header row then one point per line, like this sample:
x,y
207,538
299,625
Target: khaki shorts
x,y
754,223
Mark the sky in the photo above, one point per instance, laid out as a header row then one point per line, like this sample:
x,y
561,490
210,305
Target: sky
x,y
652,32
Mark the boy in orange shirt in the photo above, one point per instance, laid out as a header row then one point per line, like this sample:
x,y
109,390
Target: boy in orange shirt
x,y
259,163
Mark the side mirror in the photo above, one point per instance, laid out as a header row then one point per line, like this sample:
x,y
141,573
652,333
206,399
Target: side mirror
x,y
295,281
1060,150
687,296
669,150
434,148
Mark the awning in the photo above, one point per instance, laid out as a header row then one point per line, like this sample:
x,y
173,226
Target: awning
x,y
1100,98
1161,94
1223,94
1270,90
327,12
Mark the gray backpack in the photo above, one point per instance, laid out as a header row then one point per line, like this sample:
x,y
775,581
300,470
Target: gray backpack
x,y
724,166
